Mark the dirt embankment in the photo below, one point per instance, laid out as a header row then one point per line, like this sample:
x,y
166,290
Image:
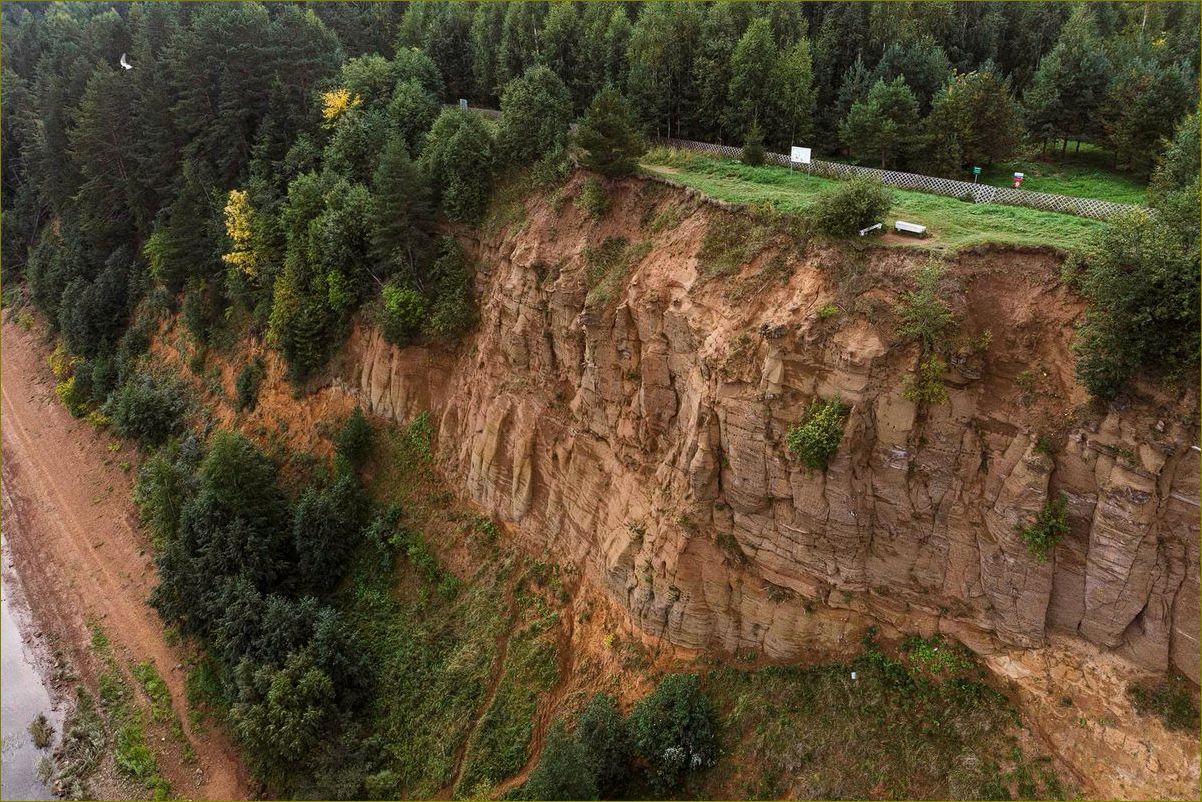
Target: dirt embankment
x,y
71,526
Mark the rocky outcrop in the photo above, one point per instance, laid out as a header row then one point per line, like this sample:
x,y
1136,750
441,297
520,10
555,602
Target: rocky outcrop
x,y
643,438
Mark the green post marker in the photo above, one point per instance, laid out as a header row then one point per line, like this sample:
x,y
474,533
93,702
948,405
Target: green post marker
x,y
976,171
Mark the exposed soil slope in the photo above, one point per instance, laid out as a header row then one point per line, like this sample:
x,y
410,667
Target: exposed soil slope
x,y
72,529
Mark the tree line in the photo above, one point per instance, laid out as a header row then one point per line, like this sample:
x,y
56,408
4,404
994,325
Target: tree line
x,y
277,167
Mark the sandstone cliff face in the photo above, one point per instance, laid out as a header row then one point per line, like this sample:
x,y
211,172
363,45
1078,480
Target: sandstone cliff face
x,y
641,436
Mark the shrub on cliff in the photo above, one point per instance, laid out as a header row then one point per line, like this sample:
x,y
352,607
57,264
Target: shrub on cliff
x,y
815,440
353,441
148,409
453,312
673,730
593,199
607,137
246,385
1049,528
401,312
847,207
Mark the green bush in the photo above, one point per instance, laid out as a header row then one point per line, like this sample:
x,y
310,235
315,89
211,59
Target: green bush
x,y
353,441
563,770
602,731
924,316
673,730
753,147
246,385
847,207
401,313
815,440
147,409
593,199
1049,528
454,310
926,385
1143,286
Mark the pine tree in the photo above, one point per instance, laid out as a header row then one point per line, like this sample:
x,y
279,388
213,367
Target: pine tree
x,y
977,111
921,62
607,137
402,236
458,161
1069,89
1143,105
883,127
753,91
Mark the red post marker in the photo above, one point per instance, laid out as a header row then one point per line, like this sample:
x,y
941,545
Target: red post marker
x,y
1018,180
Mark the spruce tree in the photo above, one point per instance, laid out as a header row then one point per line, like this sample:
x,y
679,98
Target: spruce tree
x,y
884,126
606,136
401,212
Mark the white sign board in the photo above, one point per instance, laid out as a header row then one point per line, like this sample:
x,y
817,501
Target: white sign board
x,y
799,155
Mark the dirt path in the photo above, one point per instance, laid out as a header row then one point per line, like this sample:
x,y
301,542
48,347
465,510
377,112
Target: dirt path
x,y
70,523
551,700
498,671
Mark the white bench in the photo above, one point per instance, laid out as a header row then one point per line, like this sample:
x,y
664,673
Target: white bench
x,y
873,227
910,228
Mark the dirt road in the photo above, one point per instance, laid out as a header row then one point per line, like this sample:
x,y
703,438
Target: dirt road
x,y
71,526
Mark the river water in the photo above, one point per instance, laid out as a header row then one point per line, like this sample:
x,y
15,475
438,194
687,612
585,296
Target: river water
x,y
24,695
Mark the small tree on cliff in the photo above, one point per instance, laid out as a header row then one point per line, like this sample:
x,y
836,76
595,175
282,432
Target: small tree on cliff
x,y
606,136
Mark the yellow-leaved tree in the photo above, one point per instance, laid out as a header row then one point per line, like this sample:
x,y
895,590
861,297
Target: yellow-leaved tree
x,y
337,102
239,225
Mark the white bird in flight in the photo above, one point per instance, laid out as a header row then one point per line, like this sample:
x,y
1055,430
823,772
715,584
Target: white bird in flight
x,y
125,63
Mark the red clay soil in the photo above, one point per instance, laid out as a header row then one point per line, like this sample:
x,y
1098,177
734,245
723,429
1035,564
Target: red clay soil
x,y
72,530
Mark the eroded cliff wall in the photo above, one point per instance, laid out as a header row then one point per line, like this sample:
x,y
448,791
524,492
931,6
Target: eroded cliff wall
x,y
641,435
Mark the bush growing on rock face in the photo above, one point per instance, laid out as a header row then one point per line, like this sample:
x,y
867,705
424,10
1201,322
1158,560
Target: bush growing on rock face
x,y
847,207
402,310
1049,528
926,385
593,199
454,310
246,385
673,730
816,439
924,316
353,442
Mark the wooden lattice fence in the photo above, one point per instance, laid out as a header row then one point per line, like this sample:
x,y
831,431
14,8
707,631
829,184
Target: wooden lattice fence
x,y
974,193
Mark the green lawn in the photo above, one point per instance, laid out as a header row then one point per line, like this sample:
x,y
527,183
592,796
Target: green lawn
x,y
953,224
1088,174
